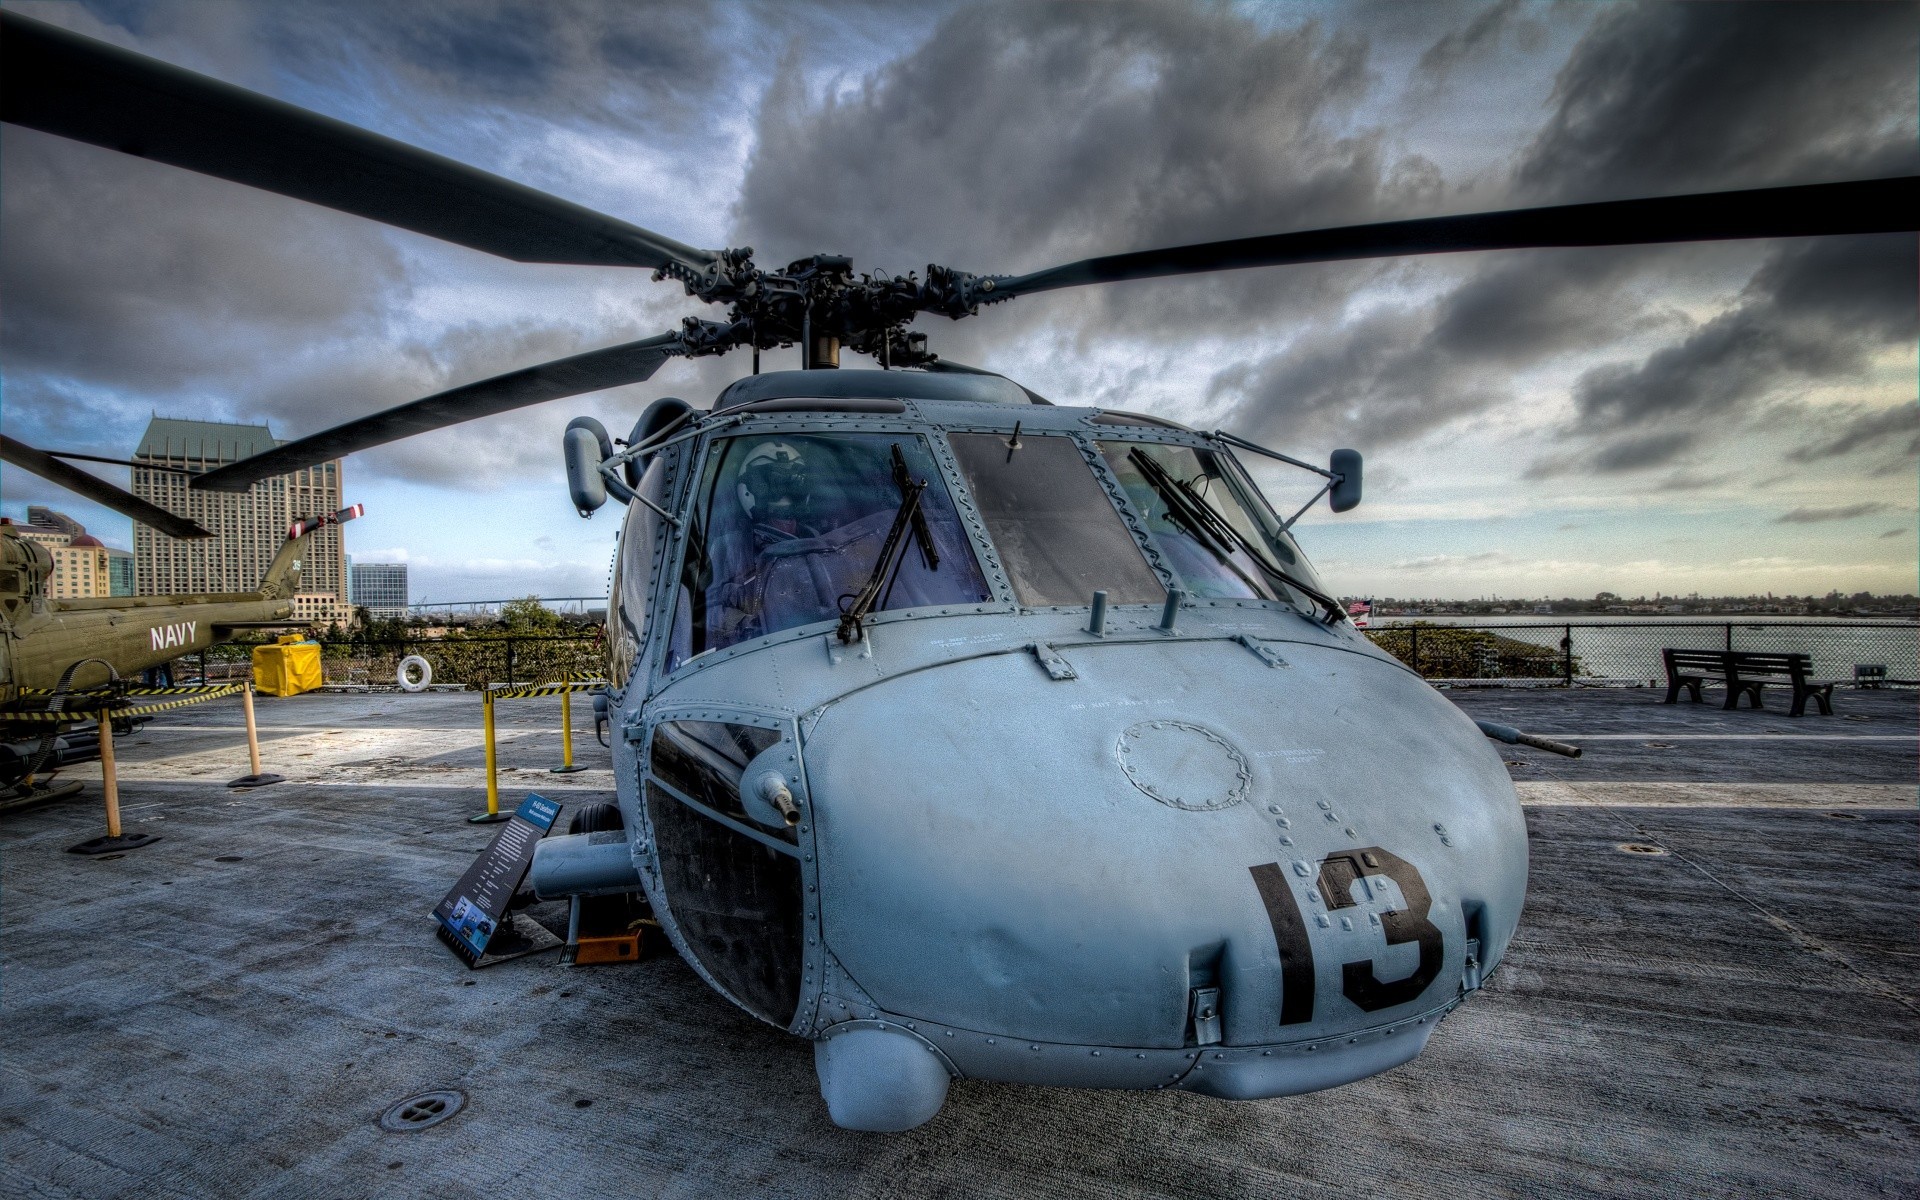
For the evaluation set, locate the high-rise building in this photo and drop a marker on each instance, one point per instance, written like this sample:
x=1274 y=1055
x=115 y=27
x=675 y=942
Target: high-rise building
x=119 y=572
x=40 y=514
x=81 y=564
x=248 y=527
x=380 y=588
x=79 y=570
x=49 y=536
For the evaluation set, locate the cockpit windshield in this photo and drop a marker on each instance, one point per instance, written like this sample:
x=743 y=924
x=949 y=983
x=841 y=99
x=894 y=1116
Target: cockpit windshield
x=1205 y=517
x=787 y=529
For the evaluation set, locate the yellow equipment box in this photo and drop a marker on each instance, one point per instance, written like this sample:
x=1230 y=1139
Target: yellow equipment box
x=288 y=667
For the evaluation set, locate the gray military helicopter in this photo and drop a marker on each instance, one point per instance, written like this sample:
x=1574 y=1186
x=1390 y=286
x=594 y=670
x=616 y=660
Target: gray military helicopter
x=963 y=733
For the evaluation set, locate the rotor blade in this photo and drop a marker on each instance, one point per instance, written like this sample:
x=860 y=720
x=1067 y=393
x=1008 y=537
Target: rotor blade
x=1862 y=206
x=631 y=362
x=96 y=489
x=119 y=462
x=65 y=84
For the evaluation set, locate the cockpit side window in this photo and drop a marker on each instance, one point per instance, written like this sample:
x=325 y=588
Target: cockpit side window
x=787 y=528
x=1220 y=538
x=1057 y=533
x=631 y=593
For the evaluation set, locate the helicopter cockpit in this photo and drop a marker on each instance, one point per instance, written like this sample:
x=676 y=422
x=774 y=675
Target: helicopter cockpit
x=1209 y=518
x=787 y=528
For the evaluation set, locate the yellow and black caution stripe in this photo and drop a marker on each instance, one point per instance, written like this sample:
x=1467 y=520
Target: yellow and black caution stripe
x=94 y=694
x=577 y=683
x=85 y=707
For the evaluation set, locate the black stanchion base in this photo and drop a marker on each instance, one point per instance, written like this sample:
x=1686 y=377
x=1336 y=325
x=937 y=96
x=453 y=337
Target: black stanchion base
x=489 y=818
x=113 y=845
x=254 y=781
x=566 y=770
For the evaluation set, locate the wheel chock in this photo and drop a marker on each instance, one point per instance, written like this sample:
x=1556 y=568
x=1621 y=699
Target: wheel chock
x=612 y=948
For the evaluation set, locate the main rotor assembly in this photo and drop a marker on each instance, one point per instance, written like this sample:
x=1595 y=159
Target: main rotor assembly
x=75 y=87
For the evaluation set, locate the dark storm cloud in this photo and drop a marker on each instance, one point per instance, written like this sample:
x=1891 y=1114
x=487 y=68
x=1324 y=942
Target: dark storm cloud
x=1634 y=452
x=1738 y=88
x=131 y=274
x=1656 y=98
x=1022 y=135
x=1019 y=136
x=1401 y=371
x=1820 y=309
x=1895 y=428
x=1844 y=512
x=1011 y=137
x=1478 y=40
x=133 y=287
x=1668 y=98
x=548 y=58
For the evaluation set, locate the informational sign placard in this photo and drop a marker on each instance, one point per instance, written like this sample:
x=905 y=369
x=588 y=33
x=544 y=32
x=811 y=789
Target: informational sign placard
x=471 y=913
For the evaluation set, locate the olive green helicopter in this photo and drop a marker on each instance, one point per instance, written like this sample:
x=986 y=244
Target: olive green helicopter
x=55 y=653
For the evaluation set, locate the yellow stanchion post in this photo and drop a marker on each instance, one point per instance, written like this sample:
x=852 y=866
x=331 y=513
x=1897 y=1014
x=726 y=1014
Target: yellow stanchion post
x=566 y=766
x=493 y=812
x=256 y=779
x=109 y=775
x=117 y=839
x=253 y=730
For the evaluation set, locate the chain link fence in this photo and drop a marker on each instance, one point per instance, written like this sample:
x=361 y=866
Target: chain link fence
x=1536 y=654
x=1628 y=652
x=460 y=661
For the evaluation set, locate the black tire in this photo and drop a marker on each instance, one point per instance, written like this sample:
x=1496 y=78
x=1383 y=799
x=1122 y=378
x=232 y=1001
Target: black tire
x=595 y=818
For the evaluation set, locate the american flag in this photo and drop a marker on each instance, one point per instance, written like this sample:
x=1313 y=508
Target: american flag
x=1359 y=612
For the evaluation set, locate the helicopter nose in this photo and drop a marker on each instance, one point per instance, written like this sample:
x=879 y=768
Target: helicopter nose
x=1181 y=845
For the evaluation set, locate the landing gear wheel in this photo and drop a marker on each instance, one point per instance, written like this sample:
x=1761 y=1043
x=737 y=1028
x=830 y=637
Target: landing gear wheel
x=595 y=818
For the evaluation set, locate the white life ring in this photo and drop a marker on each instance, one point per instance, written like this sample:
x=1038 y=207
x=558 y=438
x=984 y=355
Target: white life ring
x=409 y=664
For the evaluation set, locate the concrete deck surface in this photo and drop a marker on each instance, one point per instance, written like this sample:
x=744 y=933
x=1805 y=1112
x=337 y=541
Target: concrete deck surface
x=228 y=1011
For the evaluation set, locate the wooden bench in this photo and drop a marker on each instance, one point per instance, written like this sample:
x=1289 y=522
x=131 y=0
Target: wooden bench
x=1745 y=672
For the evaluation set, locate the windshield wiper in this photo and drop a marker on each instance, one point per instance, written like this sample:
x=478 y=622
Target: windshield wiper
x=1199 y=516
x=892 y=554
x=921 y=533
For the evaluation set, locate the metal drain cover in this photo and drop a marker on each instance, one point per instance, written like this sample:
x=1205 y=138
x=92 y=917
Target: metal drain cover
x=423 y=1111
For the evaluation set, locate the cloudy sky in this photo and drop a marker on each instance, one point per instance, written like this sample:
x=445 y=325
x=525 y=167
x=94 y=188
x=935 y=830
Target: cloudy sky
x=1728 y=417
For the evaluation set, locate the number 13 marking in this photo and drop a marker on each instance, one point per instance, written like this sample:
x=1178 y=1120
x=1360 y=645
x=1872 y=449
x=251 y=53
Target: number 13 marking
x=1359 y=981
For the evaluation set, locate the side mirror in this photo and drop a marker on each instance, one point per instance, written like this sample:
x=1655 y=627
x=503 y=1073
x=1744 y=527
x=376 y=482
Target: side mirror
x=1345 y=492
x=587 y=446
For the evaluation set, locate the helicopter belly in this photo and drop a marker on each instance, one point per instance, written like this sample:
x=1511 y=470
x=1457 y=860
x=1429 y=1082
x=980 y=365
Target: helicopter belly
x=1181 y=853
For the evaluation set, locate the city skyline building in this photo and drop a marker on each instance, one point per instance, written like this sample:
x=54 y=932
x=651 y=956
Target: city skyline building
x=119 y=572
x=81 y=562
x=48 y=518
x=380 y=588
x=79 y=570
x=249 y=527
